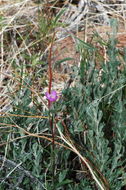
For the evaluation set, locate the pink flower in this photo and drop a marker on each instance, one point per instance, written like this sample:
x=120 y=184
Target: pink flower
x=52 y=97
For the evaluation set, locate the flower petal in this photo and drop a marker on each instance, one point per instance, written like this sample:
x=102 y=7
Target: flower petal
x=52 y=97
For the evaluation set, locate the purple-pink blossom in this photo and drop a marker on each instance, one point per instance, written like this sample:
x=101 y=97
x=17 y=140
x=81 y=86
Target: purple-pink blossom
x=52 y=97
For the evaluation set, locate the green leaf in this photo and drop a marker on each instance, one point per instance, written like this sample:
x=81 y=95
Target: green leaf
x=62 y=175
x=63 y=60
x=59 y=15
x=67 y=181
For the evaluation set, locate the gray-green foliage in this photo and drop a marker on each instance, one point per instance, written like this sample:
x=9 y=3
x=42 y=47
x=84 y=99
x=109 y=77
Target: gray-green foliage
x=97 y=106
x=94 y=112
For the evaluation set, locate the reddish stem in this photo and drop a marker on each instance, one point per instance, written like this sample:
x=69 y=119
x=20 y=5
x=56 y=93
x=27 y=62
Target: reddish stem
x=49 y=105
x=50 y=64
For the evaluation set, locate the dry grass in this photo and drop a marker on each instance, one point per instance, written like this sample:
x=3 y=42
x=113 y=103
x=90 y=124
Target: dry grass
x=25 y=41
x=19 y=24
